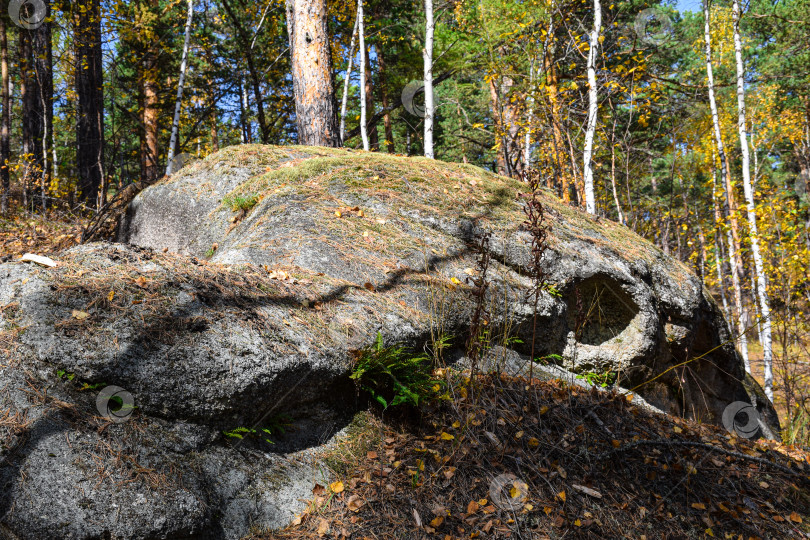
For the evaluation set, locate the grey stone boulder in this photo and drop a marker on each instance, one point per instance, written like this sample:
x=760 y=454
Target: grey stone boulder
x=240 y=294
x=404 y=228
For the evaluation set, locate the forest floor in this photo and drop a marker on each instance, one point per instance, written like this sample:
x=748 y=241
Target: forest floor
x=511 y=459
x=21 y=234
x=791 y=371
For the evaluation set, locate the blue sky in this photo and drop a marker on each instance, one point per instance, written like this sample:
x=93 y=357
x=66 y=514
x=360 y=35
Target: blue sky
x=688 y=5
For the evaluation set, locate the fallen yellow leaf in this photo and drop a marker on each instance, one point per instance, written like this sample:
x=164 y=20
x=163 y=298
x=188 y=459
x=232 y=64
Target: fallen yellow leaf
x=336 y=487
x=795 y=518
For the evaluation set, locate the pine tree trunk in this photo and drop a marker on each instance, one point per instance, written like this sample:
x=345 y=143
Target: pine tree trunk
x=90 y=93
x=150 y=116
x=32 y=118
x=389 y=131
x=179 y=102
x=762 y=287
x=427 y=57
x=315 y=106
x=5 y=127
x=501 y=157
x=734 y=249
x=363 y=84
x=373 y=137
x=345 y=99
x=593 y=104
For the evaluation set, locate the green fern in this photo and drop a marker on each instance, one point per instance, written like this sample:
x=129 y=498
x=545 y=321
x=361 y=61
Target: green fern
x=394 y=377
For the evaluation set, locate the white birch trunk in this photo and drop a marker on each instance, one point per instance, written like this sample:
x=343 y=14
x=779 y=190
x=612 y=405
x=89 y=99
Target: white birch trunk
x=427 y=56
x=718 y=137
x=593 y=103
x=245 y=105
x=361 y=32
x=346 y=81
x=761 y=288
x=180 y=83
x=527 y=142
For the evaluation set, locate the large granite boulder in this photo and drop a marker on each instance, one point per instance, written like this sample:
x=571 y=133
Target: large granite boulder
x=242 y=288
x=398 y=230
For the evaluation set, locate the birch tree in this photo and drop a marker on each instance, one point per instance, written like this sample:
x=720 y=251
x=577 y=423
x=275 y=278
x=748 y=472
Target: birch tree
x=179 y=102
x=593 y=97
x=733 y=247
x=527 y=137
x=363 y=88
x=346 y=81
x=761 y=289
x=427 y=55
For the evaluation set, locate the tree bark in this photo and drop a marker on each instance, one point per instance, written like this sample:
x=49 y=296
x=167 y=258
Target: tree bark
x=5 y=127
x=427 y=57
x=593 y=104
x=32 y=117
x=762 y=287
x=179 y=102
x=315 y=105
x=90 y=91
x=43 y=71
x=150 y=115
x=363 y=83
x=389 y=132
x=527 y=137
x=373 y=138
x=345 y=99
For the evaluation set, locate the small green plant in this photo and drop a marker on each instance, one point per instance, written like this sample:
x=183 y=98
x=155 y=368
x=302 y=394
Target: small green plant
x=62 y=374
x=277 y=425
x=240 y=202
x=91 y=387
x=602 y=380
x=392 y=376
x=553 y=291
x=549 y=358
